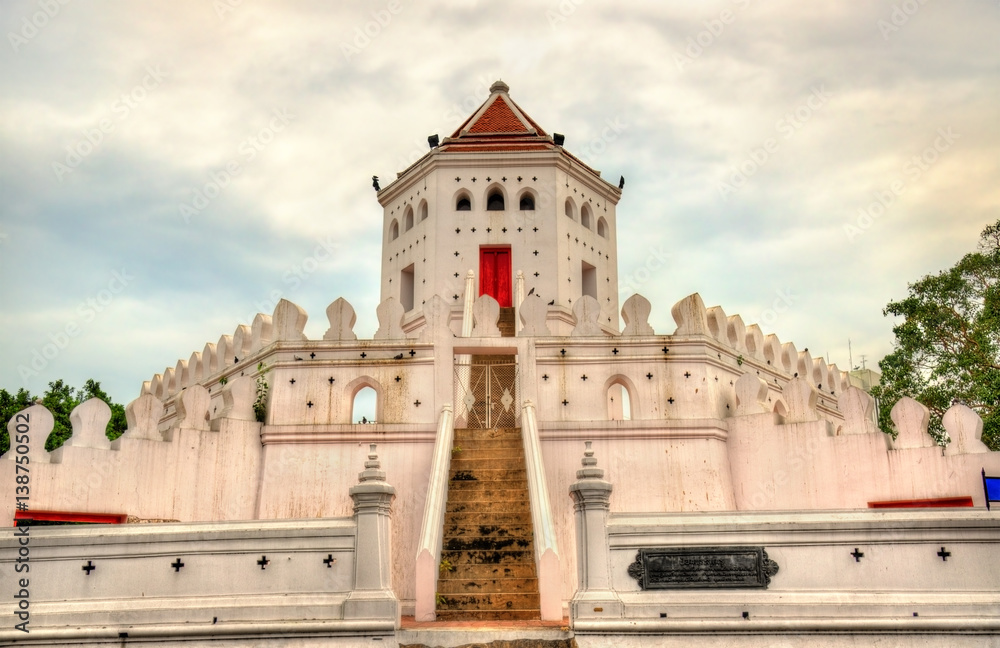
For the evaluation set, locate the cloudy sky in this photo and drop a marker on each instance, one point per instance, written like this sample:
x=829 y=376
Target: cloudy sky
x=797 y=163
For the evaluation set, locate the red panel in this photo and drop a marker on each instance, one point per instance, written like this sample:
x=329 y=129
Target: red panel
x=941 y=502
x=494 y=274
x=65 y=516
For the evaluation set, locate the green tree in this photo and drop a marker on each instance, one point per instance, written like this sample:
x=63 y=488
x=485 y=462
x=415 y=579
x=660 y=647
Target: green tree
x=60 y=399
x=11 y=404
x=947 y=347
x=118 y=424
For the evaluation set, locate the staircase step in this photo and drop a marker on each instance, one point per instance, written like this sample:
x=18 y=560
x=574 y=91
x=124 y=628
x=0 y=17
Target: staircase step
x=477 y=434
x=486 y=463
x=490 y=601
x=478 y=530
x=488 y=474
x=479 y=490
x=480 y=543
x=493 y=495
x=474 y=507
x=504 y=456
x=497 y=518
x=497 y=615
x=496 y=585
x=503 y=443
x=488 y=557
x=486 y=571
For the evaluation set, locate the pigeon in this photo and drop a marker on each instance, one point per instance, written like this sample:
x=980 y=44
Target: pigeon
x=297 y=358
x=621 y=182
x=531 y=292
x=375 y=183
x=235 y=359
x=398 y=357
x=552 y=303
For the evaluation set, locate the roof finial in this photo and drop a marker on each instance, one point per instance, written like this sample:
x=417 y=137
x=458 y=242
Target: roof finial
x=499 y=86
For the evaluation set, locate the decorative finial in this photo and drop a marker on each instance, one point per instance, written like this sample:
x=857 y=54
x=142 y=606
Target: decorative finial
x=590 y=469
x=499 y=86
x=373 y=467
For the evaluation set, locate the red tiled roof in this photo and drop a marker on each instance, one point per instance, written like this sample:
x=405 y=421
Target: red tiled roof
x=473 y=148
x=498 y=118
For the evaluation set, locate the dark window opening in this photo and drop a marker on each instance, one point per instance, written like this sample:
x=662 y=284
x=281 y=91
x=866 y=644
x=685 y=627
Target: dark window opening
x=495 y=202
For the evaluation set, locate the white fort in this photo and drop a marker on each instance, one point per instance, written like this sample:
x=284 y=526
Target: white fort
x=528 y=461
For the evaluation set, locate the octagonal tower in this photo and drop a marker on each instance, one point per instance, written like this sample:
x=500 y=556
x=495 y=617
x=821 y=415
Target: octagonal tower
x=500 y=195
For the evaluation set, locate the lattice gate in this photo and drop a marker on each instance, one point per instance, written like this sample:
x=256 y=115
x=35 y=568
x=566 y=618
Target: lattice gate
x=486 y=395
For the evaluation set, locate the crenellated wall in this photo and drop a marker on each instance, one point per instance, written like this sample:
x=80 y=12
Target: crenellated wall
x=719 y=418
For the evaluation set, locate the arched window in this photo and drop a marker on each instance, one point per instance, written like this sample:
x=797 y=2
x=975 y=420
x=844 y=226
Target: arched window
x=463 y=203
x=408 y=220
x=393 y=230
x=585 y=217
x=602 y=227
x=423 y=210
x=570 y=211
x=364 y=406
x=619 y=399
x=527 y=202
x=495 y=201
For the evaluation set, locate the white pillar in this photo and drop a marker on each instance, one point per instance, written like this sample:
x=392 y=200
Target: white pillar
x=470 y=299
x=595 y=598
x=518 y=298
x=372 y=596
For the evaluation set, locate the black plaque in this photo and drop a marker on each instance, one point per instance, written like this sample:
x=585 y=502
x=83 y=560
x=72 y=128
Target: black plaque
x=703 y=568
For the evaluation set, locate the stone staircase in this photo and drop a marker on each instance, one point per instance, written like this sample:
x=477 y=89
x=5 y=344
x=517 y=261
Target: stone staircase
x=506 y=322
x=488 y=559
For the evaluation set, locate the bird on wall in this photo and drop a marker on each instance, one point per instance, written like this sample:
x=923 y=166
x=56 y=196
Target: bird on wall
x=552 y=303
x=398 y=357
x=375 y=183
x=530 y=293
x=621 y=182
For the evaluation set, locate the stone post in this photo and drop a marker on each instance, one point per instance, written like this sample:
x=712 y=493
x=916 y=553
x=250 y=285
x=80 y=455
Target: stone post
x=595 y=598
x=372 y=597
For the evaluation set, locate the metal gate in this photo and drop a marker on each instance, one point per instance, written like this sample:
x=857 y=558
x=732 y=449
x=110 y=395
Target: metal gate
x=486 y=396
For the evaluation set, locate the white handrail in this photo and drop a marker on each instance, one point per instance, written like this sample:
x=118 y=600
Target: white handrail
x=428 y=558
x=546 y=549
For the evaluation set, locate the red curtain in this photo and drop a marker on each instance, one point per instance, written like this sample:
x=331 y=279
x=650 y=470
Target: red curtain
x=494 y=274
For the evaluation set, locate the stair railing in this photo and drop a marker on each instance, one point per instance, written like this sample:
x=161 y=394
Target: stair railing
x=546 y=550
x=428 y=560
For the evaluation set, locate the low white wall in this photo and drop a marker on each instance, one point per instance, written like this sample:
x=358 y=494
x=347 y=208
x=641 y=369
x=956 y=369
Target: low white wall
x=220 y=591
x=901 y=583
